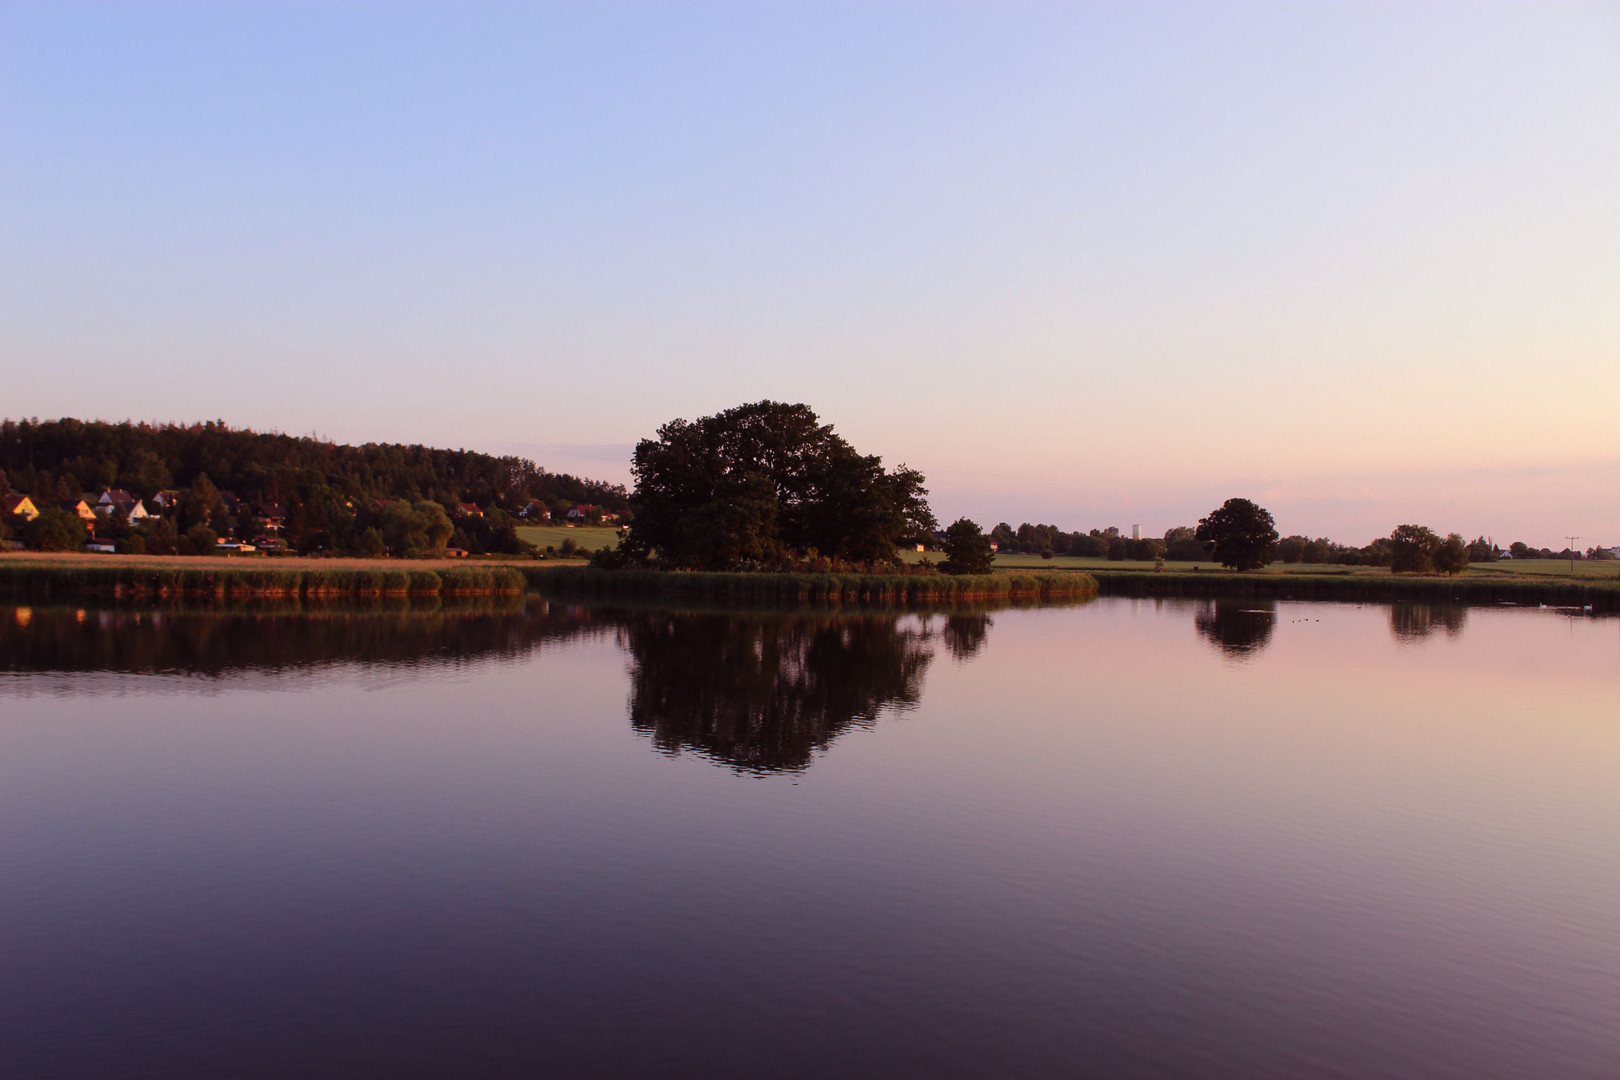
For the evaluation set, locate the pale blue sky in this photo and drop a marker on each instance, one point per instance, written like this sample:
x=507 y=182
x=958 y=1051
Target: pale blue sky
x=1081 y=264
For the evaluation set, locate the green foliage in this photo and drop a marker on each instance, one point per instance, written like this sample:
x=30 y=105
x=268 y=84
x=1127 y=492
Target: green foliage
x=1243 y=535
x=1413 y=549
x=162 y=538
x=1451 y=557
x=746 y=486
x=416 y=531
x=202 y=504
x=55 y=529
x=967 y=549
x=199 y=539
x=369 y=544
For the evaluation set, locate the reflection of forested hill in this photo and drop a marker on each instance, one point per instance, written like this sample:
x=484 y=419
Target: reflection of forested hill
x=764 y=692
x=218 y=643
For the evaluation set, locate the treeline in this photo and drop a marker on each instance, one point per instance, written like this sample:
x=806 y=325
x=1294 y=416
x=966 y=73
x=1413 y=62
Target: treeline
x=1415 y=547
x=334 y=497
x=1178 y=543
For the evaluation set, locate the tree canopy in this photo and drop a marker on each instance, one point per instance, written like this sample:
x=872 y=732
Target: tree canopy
x=967 y=549
x=1412 y=549
x=1244 y=535
x=754 y=484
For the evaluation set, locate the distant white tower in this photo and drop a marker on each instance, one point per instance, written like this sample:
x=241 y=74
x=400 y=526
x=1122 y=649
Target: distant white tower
x=1136 y=532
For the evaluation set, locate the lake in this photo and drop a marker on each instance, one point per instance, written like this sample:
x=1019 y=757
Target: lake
x=1124 y=838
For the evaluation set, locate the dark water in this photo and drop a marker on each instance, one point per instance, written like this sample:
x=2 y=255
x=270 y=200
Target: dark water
x=1126 y=839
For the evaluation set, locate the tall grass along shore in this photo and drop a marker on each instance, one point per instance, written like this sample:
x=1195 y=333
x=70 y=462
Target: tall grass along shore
x=56 y=581
x=867 y=588
x=46 y=580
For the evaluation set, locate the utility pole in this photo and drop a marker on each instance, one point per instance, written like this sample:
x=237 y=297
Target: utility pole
x=1572 y=540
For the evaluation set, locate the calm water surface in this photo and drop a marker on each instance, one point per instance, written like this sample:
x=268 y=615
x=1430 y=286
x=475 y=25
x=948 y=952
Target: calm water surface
x=1126 y=839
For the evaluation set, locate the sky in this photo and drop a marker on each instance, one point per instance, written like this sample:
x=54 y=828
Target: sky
x=1086 y=265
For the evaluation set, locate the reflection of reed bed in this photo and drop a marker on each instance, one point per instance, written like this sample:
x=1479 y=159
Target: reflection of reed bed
x=222 y=639
x=23 y=580
x=1392 y=588
x=801 y=588
x=323 y=605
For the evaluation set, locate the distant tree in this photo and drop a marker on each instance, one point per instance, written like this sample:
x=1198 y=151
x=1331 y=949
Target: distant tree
x=418 y=530
x=369 y=544
x=1117 y=549
x=1291 y=549
x=1451 y=557
x=1319 y=550
x=198 y=540
x=55 y=529
x=967 y=549
x=201 y=504
x=162 y=538
x=1244 y=535
x=1413 y=549
x=1481 y=550
x=1182 y=544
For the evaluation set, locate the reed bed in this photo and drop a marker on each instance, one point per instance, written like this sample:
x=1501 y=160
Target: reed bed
x=1369 y=588
x=793 y=588
x=56 y=581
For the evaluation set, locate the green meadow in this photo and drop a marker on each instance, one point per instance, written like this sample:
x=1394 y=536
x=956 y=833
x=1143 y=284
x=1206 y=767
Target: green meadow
x=1584 y=568
x=589 y=537
x=1537 y=568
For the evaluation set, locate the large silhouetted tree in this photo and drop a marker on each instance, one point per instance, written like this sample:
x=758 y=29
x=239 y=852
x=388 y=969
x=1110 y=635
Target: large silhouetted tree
x=1412 y=549
x=967 y=549
x=747 y=486
x=1243 y=534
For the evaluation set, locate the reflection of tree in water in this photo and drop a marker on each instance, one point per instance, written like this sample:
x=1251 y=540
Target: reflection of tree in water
x=221 y=642
x=1239 y=628
x=965 y=634
x=762 y=693
x=1411 y=623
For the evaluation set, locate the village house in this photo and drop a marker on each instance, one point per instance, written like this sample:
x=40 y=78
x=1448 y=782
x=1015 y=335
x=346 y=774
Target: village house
x=585 y=511
x=116 y=500
x=468 y=509
x=535 y=511
x=274 y=516
x=20 y=506
x=80 y=509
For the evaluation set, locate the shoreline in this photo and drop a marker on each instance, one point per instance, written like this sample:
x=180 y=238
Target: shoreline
x=46 y=576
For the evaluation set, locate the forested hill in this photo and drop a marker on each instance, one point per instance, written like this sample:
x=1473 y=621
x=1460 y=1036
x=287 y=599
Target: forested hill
x=62 y=459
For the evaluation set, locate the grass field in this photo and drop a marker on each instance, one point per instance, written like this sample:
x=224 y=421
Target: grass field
x=1594 y=568
x=1537 y=568
x=589 y=537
